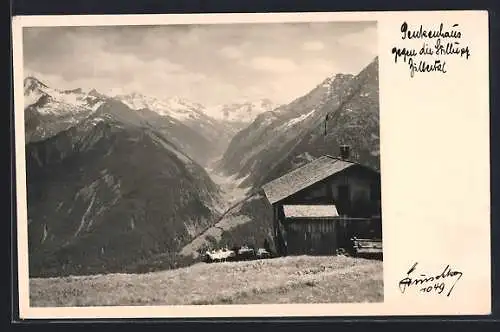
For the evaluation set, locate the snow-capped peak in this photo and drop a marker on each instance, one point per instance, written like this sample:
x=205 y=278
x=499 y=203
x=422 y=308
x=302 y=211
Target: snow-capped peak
x=32 y=84
x=176 y=107
x=244 y=111
x=57 y=102
x=180 y=103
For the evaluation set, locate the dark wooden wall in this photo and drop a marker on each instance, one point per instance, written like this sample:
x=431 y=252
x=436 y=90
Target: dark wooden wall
x=309 y=236
x=314 y=237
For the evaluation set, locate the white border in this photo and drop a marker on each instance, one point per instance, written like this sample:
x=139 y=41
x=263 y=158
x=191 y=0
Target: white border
x=393 y=305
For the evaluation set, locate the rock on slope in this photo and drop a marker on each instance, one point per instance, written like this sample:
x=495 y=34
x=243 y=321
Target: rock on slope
x=111 y=191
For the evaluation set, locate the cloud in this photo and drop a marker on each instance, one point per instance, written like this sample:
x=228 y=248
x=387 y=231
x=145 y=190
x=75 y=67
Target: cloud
x=365 y=40
x=121 y=72
x=313 y=45
x=273 y=64
x=319 y=65
x=231 y=52
x=210 y=64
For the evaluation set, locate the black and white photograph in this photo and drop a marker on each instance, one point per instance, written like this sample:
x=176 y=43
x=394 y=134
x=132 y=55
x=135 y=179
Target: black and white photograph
x=203 y=164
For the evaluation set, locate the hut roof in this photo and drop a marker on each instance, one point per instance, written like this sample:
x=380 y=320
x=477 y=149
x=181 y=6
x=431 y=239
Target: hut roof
x=310 y=211
x=303 y=177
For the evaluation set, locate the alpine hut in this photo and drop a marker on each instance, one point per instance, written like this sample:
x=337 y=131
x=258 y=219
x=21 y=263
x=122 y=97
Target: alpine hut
x=321 y=205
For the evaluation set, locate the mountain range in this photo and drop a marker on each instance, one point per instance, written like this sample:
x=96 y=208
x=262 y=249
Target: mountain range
x=188 y=124
x=241 y=114
x=122 y=183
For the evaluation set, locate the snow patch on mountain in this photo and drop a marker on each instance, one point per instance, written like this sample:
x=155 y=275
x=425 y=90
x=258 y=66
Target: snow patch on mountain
x=50 y=101
x=245 y=112
x=175 y=107
x=31 y=96
x=296 y=120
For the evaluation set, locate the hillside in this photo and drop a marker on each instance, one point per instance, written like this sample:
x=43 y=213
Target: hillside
x=301 y=279
x=353 y=120
x=109 y=192
x=247 y=222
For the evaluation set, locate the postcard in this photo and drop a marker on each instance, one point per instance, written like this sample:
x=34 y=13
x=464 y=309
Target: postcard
x=252 y=165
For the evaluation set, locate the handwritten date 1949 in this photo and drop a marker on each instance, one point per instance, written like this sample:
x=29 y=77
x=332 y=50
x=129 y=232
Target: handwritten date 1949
x=433 y=283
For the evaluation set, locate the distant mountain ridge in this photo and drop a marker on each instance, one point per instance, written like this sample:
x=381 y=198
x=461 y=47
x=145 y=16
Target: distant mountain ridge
x=203 y=133
x=193 y=115
x=241 y=114
x=218 y=124
x=174 y=107
x=49 y=111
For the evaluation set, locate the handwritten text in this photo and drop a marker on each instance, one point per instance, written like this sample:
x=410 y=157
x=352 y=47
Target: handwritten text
x=437 y=44
x=425 y=283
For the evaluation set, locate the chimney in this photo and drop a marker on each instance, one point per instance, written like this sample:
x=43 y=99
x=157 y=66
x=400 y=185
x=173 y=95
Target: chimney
x=345 y=151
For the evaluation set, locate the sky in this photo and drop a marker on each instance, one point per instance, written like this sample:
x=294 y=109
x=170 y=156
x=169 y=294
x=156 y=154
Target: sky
x=209 y=64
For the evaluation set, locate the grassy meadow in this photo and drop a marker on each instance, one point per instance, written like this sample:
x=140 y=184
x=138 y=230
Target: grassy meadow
x=300 y=279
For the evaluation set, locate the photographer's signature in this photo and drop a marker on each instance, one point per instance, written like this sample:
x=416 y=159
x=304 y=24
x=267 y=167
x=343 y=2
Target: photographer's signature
x=437 y=283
